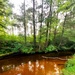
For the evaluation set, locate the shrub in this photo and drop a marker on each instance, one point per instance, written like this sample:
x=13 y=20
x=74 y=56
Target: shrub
x=69 y=67
x=50 y=48
x=26 y=49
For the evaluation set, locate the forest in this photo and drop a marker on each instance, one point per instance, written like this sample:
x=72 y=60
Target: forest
x=43 y=27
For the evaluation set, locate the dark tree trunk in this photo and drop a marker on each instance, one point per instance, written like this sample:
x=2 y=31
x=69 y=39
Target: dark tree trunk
x=41 y=23
x=49 y=24
x=55 y=29
x=34 y=23
x=24 y=23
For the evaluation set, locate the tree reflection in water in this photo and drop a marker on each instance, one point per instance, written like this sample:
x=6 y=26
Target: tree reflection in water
x=33 y=67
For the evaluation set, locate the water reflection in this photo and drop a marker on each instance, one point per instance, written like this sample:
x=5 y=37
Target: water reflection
x=32 y=66
x=56 y=69
x=7 y=67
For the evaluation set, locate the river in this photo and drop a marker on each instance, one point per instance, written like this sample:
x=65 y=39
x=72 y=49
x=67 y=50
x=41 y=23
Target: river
x=32 y=65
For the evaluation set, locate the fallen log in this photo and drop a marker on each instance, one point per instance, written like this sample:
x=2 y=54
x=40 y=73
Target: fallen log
x=55 y=58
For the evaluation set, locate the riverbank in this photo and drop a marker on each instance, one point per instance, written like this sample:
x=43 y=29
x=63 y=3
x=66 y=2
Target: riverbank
x=49 y=54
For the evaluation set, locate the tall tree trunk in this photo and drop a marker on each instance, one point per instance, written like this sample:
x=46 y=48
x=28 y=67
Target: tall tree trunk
x=47 y=32
x=34 y=23
x=24 y=22
x=41 y=23
x=49 y=24
x=55 y=32
x=55 y=29
x=50 y=18
x=41 y=27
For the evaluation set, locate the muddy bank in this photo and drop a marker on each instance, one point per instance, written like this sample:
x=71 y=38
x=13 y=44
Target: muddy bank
x=49 y=54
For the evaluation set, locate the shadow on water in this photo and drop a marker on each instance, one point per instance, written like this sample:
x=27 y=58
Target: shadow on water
x=31 y=65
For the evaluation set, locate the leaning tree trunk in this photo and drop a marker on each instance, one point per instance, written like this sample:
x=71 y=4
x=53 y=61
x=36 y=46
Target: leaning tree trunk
x=63 y=30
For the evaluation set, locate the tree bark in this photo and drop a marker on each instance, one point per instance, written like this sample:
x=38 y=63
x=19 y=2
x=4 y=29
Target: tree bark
x=34 y=23
x=24 y=23
x=41 y=23
x=49 y=24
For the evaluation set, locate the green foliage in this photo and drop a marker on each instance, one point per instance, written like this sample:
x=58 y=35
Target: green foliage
x=50 y=48
x=30 y=39
x=11 y=38
x=69 y=67
x=16 y=46
x=64 y=6
x=65 y=41
x=5 y=12
x=9 y=46
x=10 y=43
x=26 y=49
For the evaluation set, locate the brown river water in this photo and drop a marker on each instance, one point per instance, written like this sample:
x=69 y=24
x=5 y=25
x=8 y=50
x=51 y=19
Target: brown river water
x=32 y=65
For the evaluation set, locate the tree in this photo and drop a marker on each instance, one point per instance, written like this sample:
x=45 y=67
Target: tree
x=24 y=22
x=22 y=18
x=34 y=23
x=5 y=12
x=41 y=22
x=49 y=22
x=65 y=8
